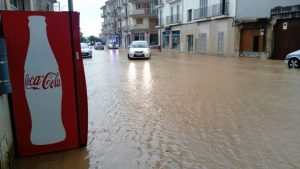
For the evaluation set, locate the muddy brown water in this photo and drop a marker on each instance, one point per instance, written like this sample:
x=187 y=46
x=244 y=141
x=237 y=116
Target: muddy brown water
x=186 y=111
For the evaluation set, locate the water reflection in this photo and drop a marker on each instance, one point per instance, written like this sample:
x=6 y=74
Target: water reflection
x=131 y=72
x=114 y=56
x=147 y=77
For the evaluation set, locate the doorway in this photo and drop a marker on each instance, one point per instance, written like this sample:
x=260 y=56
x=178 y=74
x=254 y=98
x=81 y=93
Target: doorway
x=256 y=43
x=190 y=40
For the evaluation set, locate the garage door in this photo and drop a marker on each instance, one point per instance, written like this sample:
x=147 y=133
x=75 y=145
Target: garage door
x=286 y=37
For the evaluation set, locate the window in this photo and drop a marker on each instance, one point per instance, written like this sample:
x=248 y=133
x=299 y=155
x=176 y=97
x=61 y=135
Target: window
x=203 y=8
x=161 y=17
x=14 y=3
x=202 y=43
x=190 y=40
x=189 y=17
x=166 y=39
x=175 y=39
x=203 y=3
x=1 y=5
x=138 y=6
x=139 y=21
x=139 y=36
x=220 y=43
x=152 y=22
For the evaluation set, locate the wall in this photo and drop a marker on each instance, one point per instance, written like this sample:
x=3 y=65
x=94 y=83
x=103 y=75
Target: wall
x=6 y=138
x=247 y=9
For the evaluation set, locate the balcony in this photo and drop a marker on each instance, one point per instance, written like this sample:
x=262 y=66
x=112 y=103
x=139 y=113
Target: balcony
x=143 y=11
x=220 y=9
x=144 y=1
x=174 y=19
x=200 y=13
x=140 y=27
x=159 y=4
x=286 y=12
x=211 y=11
x=172 y=1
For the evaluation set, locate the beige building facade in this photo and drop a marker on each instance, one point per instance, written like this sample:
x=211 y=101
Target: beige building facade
x=129 y=20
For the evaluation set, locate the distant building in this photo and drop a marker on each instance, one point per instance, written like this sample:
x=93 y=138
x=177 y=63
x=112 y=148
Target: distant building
x=128 y=20
x=254 y=27
x=218 y=27
x=285 y=25
x=203 y=26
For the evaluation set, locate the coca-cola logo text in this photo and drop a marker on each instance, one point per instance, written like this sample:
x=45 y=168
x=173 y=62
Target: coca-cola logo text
x=43 y=82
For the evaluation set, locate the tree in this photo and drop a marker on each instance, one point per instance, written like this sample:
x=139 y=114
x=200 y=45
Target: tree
x=93 y=39
x=82 y=38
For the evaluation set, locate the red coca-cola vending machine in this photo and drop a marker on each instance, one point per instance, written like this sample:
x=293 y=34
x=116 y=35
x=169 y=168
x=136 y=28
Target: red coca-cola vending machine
x=49 y=99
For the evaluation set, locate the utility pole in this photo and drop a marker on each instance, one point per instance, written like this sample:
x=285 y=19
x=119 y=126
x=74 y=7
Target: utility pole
x=70 y=4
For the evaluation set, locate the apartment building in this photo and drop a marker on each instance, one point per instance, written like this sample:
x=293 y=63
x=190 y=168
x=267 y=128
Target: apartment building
x=129 y=20
x=255 y=36
x=202 y=26
x=6 y=136
x=217 y=27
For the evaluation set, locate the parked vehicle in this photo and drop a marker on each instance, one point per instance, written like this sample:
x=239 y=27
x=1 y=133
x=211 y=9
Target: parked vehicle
x=99 y=46
x=85 y=50
x=113 y=46
x=139 y=49
x=293 y=60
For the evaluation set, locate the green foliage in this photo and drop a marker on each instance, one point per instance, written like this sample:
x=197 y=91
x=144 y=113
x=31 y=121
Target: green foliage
x=93 y=38
x=82 y=38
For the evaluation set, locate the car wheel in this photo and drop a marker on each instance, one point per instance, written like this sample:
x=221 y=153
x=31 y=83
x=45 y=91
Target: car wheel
x=128 y=57
x=293 y=63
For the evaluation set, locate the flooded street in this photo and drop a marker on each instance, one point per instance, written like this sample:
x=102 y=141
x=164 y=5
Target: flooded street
x=185 y=111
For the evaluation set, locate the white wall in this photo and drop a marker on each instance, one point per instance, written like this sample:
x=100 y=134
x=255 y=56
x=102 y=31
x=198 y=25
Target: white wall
x=247 y=9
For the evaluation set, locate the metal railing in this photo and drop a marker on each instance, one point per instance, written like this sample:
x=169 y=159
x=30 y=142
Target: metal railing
x=200 y=13
x=173 y=19
x=143 y=11
x=220 y=9
x=170 y=1
x=139 y=27
x=211 y=11
x=159 y=3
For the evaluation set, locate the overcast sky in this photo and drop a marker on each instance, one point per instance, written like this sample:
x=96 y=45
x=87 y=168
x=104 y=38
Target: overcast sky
x=90 y=15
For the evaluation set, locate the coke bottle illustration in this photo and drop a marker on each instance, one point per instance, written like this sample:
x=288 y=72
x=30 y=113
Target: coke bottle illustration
x=43 y=86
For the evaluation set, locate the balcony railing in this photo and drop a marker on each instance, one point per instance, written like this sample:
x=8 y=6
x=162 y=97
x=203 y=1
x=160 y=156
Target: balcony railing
x=220 y=9
x=143 y=11
x=139 y=27
x=211 y=11
x=201 y=13
x=173 y=19
x=159 y=3
x=171 y=1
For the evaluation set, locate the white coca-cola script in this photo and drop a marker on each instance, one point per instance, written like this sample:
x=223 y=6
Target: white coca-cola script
x=43 y=82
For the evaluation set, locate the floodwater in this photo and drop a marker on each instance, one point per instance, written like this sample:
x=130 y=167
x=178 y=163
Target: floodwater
x=186 y=111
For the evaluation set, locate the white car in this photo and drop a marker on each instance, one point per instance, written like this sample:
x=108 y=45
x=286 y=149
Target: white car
x=293 y=59
x=86 y=51
x=139 y=49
